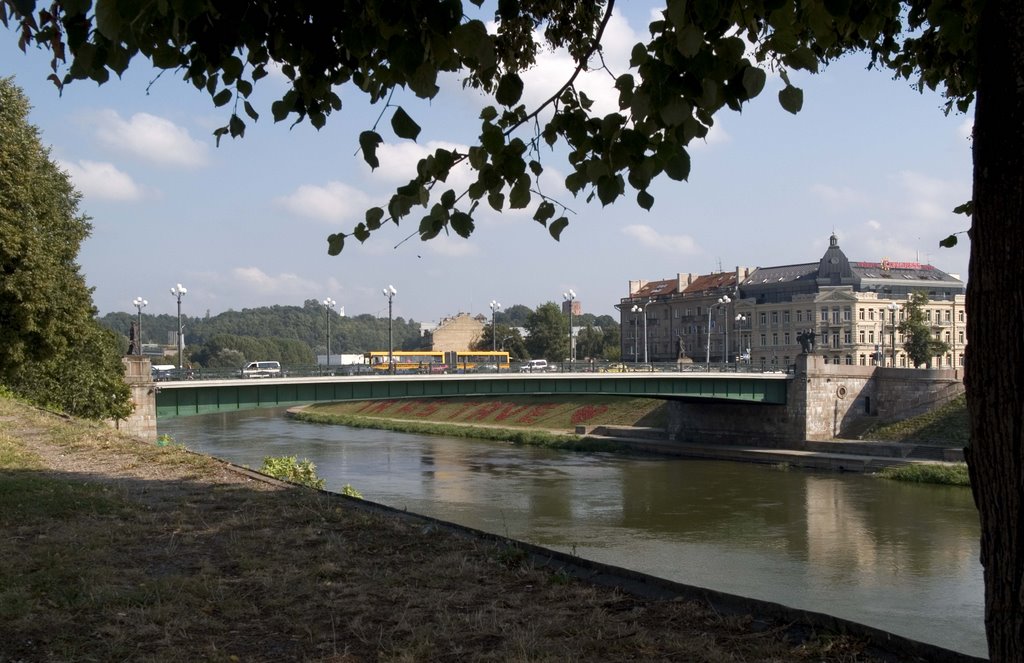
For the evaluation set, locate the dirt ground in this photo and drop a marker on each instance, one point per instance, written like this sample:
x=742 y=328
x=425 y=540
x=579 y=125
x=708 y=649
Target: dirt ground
x=116 y=549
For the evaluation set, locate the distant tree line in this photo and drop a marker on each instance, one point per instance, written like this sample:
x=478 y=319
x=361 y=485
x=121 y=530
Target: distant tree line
x=295 y=335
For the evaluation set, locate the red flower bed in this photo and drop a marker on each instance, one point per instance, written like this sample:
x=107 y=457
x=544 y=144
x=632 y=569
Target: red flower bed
x=536 y=412
x=509 y=411
x=484 y=411
x=428 y=408
x=586 y=413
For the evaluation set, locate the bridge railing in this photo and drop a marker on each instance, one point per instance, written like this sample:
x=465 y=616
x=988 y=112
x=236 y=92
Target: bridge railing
x=199 y=373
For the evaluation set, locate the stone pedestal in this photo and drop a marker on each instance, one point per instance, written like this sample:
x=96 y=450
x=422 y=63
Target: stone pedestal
x=141 y=423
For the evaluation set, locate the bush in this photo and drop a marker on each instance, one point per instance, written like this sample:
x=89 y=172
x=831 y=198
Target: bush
x=292 y=470
x=949 y=474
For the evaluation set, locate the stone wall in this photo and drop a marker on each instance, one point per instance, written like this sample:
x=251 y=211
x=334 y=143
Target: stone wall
x=141 y=423
x=824 y=402
x=457 y=333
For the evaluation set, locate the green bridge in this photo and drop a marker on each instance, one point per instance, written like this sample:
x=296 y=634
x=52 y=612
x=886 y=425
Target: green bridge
x=190 y=397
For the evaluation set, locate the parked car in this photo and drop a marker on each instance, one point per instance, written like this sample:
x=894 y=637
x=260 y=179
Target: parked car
x=534 y=366
x=261 y=369
x=163 y=372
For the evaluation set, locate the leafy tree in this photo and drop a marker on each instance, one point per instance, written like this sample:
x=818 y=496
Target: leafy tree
x=515 y=315
x=920 y=344
x=52 y=350
x=694 y=63
x=590 y=343
x=548 y=333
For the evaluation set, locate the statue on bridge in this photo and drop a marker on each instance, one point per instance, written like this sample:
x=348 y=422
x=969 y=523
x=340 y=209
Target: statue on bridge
x=134 y=343
x=806 y=340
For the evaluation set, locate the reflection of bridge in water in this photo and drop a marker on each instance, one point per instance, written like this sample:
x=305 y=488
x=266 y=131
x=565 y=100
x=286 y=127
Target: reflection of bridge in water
x=191 y=397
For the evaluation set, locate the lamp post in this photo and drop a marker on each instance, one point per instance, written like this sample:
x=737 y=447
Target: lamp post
x=495 y=307
x=740 y=319
x=139 y=303
x=329 y=304
x=636 y=308
x=570 y=297
x=179 y=291
x=893 y=307
x=724 y=299
x=390 y=293
x=636 y=321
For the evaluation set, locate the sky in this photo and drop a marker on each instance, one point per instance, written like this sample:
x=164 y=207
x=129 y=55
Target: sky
x=245 y=224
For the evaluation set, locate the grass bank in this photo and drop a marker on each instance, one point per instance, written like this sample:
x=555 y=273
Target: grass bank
x=116 y=549
x=948 y=474
x=946 y=426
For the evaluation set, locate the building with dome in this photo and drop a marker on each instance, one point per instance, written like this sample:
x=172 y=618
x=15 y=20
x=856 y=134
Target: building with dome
x=852 y=310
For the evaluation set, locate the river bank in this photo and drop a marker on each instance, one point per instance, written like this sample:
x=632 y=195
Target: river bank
x=124 y=550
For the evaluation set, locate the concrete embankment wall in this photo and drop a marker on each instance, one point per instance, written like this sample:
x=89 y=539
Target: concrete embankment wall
x=824 y=402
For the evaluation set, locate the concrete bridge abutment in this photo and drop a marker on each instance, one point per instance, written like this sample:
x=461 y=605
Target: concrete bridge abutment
x=141 y=423
x=824 y=402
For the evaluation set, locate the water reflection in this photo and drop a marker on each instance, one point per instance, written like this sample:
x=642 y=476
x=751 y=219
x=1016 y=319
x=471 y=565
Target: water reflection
x=902 y=557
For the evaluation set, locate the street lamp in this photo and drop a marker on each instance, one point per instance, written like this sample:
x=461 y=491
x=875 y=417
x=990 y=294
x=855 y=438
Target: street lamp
x=893 y=307
x=139 y=303
x=179 y=291
x=495 y=306
x=390 y=293
x=329 y=304
x=723 y=300
x=570 y=297
x=636 y=320
x=637 y=308
x=740 y=319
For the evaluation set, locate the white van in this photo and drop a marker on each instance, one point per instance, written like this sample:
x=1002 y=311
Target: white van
x=534 y=366
x=261 y=369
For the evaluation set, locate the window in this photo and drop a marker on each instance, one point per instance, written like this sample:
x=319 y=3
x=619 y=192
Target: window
x=860 y=336
x=799 y=316
x=927 y=315
x=835 y=360
x=949 y=315
x=775 y=339
x=847 y=337
x=688 y=309
x=764 y=341
x=949 y=337
x=824 y=315
x=764 y=319
x=847 y=314
x=960 y=334
x=835 y=315
x=871 y=336
x=871 y=314
x=863 y=360
x=785 y=338
x=835 y=343
x=960 y=316
x=860 y=314
x=849 y=360
x=775 y=317
x=785 y=317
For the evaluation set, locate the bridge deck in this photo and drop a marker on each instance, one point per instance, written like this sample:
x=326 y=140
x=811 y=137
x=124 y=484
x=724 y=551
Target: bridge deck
x=191 y=397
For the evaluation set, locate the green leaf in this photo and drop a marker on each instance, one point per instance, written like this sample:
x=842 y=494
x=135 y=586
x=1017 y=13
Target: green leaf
x=374 y=217
x=462 y=223
x=403 y=125
x=250 y=111
x=949 y=242
x=369 y=141
x=792 y=99
x=966 y=208
x=496 y=201
x=236 y=125
x=536 y=168
x=753 y=81
x=488 y=114
x=690 y=40
x=222 y=97
x=677 y=166
x=557 y=226
x=545 y=211
x=519 y=196
x=335 y=243
x=361 y=232
x=510 y=90
x=108 y=20
x=645 y=200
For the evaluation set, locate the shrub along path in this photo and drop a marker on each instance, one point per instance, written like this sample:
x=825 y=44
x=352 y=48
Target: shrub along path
x=115 y=549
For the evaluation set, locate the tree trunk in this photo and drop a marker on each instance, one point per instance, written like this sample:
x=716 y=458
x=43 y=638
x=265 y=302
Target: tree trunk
x=994 y=374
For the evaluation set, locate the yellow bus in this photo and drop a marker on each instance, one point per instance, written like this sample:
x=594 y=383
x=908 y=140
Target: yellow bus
x=407 y=361
x=482 y=361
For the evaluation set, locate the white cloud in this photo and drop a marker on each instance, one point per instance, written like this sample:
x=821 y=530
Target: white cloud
x=650 y=238
x=929 y=199
x=282 y=285
x=398 y=162
x=335 y=201
x=102 y=180
x=451 y=246
x=152 y=138
x=873 y=225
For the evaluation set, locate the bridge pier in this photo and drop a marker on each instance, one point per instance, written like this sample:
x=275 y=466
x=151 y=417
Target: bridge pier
x=823 y=402
x=141 y=423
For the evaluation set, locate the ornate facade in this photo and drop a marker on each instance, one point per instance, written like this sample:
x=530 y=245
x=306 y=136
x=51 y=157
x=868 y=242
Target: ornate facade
x=852 y=310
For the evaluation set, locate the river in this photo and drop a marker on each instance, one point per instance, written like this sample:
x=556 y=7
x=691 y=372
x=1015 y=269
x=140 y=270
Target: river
x=901 y=557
